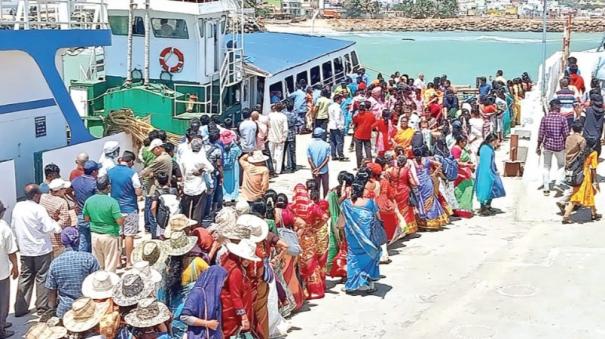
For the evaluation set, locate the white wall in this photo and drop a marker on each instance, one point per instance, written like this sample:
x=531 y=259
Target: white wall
x=21 y=79
x=8 y=194
x=65 y=157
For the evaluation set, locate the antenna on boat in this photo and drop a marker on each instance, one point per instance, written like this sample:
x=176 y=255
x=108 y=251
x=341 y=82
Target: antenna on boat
x=129 y=48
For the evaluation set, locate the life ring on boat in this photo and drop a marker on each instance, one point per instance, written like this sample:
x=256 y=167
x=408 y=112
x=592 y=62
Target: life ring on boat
x=165 y=55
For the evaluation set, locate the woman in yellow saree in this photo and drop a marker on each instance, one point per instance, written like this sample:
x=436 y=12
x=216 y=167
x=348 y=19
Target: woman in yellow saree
x=584 y=195
x=404 y=134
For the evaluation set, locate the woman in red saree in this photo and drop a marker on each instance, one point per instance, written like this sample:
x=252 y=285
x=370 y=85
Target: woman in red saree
x=402 y=180
x=386 y=131
x=236 y=296
x=284 y=217
x=309 y=224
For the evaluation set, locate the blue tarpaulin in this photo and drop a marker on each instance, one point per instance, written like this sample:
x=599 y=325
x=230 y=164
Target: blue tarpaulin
x=277 y=52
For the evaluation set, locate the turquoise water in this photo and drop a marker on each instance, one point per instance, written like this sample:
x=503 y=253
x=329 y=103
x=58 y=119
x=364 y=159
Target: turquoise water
x=461 y=55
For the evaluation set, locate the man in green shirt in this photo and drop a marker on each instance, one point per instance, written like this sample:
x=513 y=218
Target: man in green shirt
x=103 y=213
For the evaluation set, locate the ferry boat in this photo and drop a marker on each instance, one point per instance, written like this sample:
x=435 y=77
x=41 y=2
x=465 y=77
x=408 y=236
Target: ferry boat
x=171 y=60
x=176 y=60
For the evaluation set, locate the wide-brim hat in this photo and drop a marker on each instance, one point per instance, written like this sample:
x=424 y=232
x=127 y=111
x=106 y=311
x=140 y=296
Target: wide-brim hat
x=146 y=270
x=148 y=313
x=245 y=249
x=259 y=229
x=179 y=243
x=43 y=331
x=99 y=285
x=178 y=222
x=84 y=314
x=132 y=287
x=257 y=157
x=152 y=251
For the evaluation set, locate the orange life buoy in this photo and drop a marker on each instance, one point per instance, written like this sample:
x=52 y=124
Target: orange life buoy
x=165 y=55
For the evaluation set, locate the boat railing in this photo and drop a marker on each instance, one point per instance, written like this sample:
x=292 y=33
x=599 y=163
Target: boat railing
x=54 y=14
x=195 y=101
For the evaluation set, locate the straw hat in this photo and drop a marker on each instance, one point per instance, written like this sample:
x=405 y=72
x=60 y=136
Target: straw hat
x=178 y=222
x=85 y=314
x=43 y=331
x=99 y=285
x=147 y=271
x=179 y=243
x=149 y=312
x=245 y=249
x=257 y=157
x=132 y=287
x=152 y=251
x=242 y=207
x=259 y=229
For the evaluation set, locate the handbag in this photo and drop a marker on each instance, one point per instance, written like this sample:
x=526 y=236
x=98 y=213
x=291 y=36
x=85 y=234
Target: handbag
x=291 y=238
x=339 y=263
x=378 y=236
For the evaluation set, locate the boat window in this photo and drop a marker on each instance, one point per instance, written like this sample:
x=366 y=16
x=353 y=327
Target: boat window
x=339 y=71
x=315 y=77
x=348 y=67
x=290 y=84
x=354 y=59
x=276 y=92
x=169 y=28
x=326 y=72
x=302 y=79
x=119 y=25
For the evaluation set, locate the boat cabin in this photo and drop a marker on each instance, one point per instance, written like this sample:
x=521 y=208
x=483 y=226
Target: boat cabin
x=276 y=62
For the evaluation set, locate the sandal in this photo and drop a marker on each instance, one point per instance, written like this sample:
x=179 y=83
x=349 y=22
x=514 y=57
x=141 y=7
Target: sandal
x=566 y=221
x=596 y=217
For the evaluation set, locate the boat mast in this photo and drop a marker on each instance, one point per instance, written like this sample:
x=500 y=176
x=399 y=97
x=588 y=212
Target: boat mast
x=543 y=85
x=147 y=41
x=129 y=48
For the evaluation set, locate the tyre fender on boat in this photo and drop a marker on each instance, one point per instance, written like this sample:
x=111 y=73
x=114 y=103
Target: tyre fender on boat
x=166 y=54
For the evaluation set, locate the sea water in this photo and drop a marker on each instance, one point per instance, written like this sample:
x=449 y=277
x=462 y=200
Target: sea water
x=463 y=56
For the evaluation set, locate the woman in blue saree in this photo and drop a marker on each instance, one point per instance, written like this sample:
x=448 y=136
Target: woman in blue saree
x=230 y=166
x=363 y=257
x=431 y=214
x=488 y=184
x=203 y=309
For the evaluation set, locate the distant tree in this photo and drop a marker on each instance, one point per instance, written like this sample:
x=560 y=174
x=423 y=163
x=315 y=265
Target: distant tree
x=361 y=8
x=422 y=9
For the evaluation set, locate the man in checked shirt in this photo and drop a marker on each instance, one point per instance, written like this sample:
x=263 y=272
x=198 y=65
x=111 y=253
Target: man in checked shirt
x=551 y=141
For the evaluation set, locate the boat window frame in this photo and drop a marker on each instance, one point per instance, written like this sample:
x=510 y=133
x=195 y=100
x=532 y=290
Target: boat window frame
x=156 y=31
x=354 y=59
x=326 y=81
x=318 y=67
x=290 y=86
x=348 y=64
x=271 y=90
x=338 y=76
x=298 y=78
x=125 y=17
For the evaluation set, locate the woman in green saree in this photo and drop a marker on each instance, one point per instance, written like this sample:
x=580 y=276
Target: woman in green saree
x=465 y=181
x=335 y=197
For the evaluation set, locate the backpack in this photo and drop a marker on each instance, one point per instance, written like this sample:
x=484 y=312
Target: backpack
x=449 y=167
x=574 y=172
x=168 y=205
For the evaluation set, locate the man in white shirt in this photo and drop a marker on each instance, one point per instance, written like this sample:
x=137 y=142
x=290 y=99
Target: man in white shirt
x=419 y=82
x=277 y=134
x=33 y=228
x=8 y=257
x=195 y=166
x=336 y=126
x=109 y=159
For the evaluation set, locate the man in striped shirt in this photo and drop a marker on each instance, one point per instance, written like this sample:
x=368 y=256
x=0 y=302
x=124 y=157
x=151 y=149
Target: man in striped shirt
x=569 y=100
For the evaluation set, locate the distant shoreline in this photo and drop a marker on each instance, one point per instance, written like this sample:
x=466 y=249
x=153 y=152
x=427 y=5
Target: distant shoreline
x=470 y=24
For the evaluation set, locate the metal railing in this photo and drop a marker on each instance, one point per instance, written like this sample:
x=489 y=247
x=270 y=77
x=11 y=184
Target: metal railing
x=197 y=99
x=54 y=14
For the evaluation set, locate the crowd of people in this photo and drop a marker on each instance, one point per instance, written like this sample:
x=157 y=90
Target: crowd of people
x=226 y=256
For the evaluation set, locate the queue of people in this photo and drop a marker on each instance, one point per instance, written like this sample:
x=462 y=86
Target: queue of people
x=225 y=255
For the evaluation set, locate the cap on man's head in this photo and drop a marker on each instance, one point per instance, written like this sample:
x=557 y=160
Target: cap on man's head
x=91 y=166
x=318 y=132
x=82 y=157
x=156 y=143
x=58 y=184
x=110 y=147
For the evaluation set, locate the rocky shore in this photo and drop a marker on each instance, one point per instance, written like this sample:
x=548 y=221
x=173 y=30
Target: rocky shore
x=486 y=24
